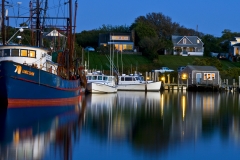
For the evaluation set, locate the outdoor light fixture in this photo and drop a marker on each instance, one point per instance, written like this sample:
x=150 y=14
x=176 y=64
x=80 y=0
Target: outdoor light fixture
x=184 y=76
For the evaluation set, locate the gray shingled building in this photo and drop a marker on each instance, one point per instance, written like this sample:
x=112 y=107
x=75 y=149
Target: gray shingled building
x=201 y=75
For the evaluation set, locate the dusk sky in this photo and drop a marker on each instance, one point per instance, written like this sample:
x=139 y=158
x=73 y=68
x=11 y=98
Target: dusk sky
x=209 y=16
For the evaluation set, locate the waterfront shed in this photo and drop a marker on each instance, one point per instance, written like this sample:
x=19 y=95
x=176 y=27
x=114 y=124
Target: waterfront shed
x=201 y=75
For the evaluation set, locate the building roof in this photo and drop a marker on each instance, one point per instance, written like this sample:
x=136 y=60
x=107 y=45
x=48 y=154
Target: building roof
x=193 y=39
x=202 y=68
x=237 y=44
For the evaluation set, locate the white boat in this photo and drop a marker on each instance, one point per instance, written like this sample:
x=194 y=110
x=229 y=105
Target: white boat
x=100 y=83
x=136 y=83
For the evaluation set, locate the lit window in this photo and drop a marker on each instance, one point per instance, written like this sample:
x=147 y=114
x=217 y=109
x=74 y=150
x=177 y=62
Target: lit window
x=24 y=53
x=15 y=53
x=124 y=46
x=32 y=54
x=209 y=76
x=198 y=41
x=129 y=47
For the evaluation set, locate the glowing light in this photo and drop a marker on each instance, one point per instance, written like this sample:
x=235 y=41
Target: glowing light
x=163 y=78
x=183 y=106
x=162 y=105
x=184 y=76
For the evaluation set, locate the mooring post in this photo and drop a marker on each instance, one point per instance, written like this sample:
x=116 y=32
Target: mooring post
x=239 y=84
x=227 y=84
x=233 y=84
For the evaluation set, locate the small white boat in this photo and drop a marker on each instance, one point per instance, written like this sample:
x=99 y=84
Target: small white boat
x=136 y=83
x=100 y=83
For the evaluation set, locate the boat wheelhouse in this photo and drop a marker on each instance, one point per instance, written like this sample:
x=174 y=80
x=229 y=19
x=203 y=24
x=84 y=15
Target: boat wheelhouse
x=136 y=83
x=30 y=56
x=100 y=83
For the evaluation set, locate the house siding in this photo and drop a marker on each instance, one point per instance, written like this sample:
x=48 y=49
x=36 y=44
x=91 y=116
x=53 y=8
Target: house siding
x=188 y=45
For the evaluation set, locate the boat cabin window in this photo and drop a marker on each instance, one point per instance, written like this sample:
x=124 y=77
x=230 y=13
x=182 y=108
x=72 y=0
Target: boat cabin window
x=137 y=78
x=105 y=78
x=89 y=77
x=94 y=77
x=24 y=53
x=32 y=53
x=6 y=53
x=100 y=78
x=1 y=53
x=128 y=78
x=15 y=53
x=122 y=78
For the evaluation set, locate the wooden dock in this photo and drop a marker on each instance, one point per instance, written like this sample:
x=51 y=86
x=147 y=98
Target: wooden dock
x=184 y=87
x=174 y=86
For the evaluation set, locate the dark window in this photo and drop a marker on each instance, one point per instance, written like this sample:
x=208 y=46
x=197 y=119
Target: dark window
x=128 y=78
x=6 y=53
x=105 y=78
x=89 y=78
x=15 y=53
x=100 y=77
x=1 y=53
x=122 y=78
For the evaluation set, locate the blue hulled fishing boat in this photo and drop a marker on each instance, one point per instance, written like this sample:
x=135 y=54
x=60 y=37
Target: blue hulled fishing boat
x=39 y=73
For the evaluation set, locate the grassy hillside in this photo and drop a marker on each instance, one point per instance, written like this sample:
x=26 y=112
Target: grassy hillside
x=132 y=62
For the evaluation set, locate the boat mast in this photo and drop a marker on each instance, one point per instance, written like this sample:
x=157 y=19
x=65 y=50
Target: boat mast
x=38 y=31
x=3 y=22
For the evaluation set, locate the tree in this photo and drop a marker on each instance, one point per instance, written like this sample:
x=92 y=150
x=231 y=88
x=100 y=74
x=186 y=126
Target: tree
x=151 y=45
x=211 y=44
x=144 y=29
x=208 y=62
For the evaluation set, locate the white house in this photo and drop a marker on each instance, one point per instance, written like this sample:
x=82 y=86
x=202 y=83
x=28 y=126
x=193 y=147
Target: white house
x=187 y=45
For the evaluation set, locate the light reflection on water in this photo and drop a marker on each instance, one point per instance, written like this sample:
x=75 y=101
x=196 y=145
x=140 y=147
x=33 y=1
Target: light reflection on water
x=135 y=125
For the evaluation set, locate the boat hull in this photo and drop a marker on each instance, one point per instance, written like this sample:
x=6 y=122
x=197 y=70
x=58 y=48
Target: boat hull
x=132 y=87
x=153 y=86
x=22 y=82
x=100 y=88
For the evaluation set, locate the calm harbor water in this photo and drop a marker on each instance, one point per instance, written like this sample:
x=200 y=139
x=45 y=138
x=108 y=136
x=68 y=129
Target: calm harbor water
x=126 y=125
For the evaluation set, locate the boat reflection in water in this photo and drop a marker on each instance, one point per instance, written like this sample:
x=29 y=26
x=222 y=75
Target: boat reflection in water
x=116 y=114
x=128 y=125
x=153 y=124
x=27 y=132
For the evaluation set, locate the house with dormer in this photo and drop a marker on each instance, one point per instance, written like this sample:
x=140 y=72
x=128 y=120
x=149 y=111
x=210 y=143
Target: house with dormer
x=234 y=48
x=187 y=45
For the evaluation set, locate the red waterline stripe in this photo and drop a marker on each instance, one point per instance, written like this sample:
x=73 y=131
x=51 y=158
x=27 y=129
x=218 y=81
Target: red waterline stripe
x=21 y=103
